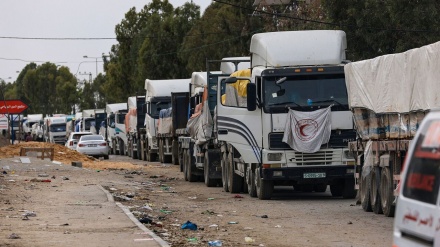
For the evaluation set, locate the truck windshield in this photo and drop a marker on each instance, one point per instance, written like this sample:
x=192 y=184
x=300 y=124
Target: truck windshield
x=121 y=118
x=423 y=176
x=157 y=106
x=304 y=92
x=58 y=127
x=89 y=122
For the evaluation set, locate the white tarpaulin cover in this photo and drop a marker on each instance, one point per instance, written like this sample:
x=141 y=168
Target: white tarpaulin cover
x=200 y=124
x=307 y=131
x=395 y=83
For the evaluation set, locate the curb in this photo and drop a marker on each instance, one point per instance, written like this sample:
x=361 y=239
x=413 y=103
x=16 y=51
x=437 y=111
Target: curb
x=141 y=226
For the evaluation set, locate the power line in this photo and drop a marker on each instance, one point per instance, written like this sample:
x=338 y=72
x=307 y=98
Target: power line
x=328 y=23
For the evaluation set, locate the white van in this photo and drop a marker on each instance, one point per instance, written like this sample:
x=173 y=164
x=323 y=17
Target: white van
x=417 y=218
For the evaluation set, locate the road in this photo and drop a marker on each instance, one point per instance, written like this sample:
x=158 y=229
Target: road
x=289 y=219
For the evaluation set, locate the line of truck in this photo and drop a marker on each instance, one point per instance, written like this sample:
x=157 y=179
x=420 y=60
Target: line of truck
x=229 y=129
x=295 y=113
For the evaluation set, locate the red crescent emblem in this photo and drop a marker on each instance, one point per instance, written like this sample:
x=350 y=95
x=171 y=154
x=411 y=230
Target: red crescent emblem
x=301 y=130
x=306 y=129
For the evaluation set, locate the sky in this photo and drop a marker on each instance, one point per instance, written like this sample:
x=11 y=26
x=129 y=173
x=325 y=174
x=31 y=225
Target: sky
x=62 y=19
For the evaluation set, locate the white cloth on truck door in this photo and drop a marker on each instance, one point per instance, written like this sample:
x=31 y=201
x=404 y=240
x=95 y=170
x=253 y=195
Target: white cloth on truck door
x=307 y=131
x=165 y=123
x=200 y=126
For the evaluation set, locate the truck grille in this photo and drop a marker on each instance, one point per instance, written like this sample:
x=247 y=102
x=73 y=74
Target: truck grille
x=338 y=139
x=322 y=157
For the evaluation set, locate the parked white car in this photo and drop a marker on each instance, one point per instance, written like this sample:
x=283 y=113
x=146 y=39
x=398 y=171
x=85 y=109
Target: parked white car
x=74 y=138
x=93 y=145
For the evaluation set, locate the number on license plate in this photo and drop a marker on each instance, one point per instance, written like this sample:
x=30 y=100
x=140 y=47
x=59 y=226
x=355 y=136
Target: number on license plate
x=92 y=145
x=314 y=175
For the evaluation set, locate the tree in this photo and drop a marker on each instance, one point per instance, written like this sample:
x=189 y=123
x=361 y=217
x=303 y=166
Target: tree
x=382 y=27
x=223 y=31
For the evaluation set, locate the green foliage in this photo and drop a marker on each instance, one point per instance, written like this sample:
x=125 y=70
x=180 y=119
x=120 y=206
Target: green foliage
x=382 y=27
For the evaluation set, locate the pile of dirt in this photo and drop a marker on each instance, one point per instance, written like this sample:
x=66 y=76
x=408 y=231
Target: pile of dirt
x=65 y=155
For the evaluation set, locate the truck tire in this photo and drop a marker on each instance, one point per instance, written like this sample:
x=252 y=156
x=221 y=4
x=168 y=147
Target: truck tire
x=365 y=188
x=337 y=189
x=264 y=187
x=225 y=172
x=190 y=167
x=349 y=192
x=235 y=182
x=208 y=181
x=175 y=153
x=180 y=156
x=121 y=148
x=129 y=148
x=115 y=150
x=184 y=164
x=374 y=192
x=387 y=192
x=320 y=187
x=250 y=180
x=161 y=156
x=134 y=152
x=139 y=150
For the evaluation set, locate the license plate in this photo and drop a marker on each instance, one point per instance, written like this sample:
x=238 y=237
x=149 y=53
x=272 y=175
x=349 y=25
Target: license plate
x=314 y=175
x=92 y=145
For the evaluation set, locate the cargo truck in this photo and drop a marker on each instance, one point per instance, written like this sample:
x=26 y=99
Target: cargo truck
x=198 y=147
x=166 y=111
x=389 y=97
x=115 y=129
x=134 y=126
x=55 y=129
x=288 y=123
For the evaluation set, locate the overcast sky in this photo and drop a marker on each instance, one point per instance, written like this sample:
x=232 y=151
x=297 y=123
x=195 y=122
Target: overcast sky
x=62 y=19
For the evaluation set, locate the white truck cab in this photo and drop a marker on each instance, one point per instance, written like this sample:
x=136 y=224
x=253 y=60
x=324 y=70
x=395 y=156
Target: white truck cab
x=417 y=218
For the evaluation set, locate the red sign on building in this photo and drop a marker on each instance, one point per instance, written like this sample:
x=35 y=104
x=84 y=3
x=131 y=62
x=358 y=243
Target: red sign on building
x=12 y=106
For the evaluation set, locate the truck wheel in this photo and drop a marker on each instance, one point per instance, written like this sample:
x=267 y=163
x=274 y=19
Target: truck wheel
x=225 y=173
x=190 y=167
x=134 y=153
x=264 y=188
x=161 y=158
x=115 y=150
x=180 y=156
x=175 y=153
x=387 y=192
x=235 y=182
x=185 y=164
x=337 y=189
x=365 y=188
x=139 y=150
x=374 y=193
x=128 y=150
x=121 y=148
x=208 y=181
x=349 y=192
x=250 y=180
x=320 y=187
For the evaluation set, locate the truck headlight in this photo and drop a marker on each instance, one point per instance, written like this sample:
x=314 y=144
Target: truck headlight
x=274 y=156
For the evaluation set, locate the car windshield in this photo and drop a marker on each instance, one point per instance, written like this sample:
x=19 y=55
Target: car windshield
x=77 y=136
x=305 y=92
x=92 y=138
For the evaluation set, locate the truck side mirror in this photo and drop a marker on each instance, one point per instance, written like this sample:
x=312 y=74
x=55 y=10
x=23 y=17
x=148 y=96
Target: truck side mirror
x=251 y=90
